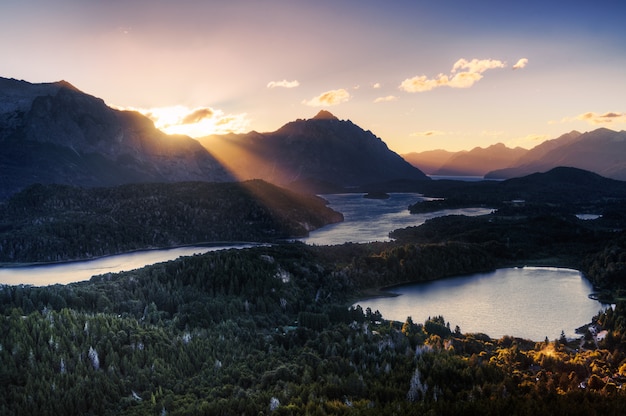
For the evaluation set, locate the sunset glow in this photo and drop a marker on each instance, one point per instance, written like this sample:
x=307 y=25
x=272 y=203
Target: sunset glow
x=532 y=69
x=196 y=122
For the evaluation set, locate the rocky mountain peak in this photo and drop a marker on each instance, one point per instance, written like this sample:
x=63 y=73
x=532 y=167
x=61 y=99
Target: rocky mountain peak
x=324 y=115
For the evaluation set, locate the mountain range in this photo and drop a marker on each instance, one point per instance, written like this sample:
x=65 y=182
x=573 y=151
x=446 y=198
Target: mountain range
x=312 y=152
x=55 y=133
x=602 y=151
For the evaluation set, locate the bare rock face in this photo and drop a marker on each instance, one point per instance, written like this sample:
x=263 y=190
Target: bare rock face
x=54 y=133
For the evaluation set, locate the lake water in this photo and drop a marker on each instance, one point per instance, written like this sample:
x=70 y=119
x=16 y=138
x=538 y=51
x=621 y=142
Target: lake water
x=529 y=302
x=367 y=220
x=41 y=275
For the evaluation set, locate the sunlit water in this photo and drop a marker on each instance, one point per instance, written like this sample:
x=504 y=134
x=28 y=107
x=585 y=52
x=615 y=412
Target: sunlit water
x=41 y=275
x=367 y=220
x=529 y=302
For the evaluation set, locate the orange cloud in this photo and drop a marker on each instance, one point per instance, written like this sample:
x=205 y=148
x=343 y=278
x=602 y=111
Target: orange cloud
x=464 y=74
x=283 y=84
x=197 y=115
x=329 y=98
x=521 y=63
x=595 y=118
x=428 y=133
x=386 y=99
x=197 y=122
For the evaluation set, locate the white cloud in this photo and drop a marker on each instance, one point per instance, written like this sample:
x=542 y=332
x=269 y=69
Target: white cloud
x=477 y=65
x=328 y=98
x=376 y=85
x=521 y=64
x=283 y=84
x=464 y=74
x=386 y=99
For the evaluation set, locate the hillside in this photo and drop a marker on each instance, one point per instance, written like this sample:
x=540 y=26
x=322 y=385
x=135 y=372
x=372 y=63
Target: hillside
x=429 y=161
x=479 y=161
x=54 y=133
x=563 y=189
x=602 y=151
x=322 y=149
x=46 y=223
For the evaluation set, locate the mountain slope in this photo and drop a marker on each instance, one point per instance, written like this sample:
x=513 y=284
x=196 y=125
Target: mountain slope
x=479 y=161
x=602 y=151
x=323 y=149
x=57 y=223
x=54 y=133
x=429 y=161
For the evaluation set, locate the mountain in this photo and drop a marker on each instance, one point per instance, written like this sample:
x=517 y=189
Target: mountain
x=602 y=151
x=429 y=161
x=54 y=133
x=475 y=162
x=479 y=161
x=320 y=150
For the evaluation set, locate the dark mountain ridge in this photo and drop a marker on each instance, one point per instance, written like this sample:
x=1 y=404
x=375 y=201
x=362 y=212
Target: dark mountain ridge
x=54 y=133
x=320 y=149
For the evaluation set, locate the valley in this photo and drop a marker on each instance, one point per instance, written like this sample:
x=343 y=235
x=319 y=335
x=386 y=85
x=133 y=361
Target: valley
x=272 y=328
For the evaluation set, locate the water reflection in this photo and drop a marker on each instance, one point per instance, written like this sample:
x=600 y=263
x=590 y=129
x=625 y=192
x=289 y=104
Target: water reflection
x=367 y=220
x=529 y=302
x=64 y=273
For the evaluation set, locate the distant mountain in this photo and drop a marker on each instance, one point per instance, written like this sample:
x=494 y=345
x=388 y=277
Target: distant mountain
x=429 y=161
x=479 y=161
x=54 y=133
x=320 y=150
x=602 y=151
x=475 y=162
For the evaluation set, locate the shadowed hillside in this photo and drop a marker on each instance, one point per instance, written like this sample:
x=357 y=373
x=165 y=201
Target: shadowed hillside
x=54 y=133
x=323 y=149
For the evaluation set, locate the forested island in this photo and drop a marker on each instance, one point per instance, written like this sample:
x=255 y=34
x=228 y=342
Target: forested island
x=268 y=330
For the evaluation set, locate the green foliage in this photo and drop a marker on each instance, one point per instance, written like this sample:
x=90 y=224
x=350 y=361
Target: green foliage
x=55 y=223
x=266 y=330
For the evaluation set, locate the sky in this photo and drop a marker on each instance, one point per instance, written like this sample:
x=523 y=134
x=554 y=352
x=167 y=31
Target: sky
x=421 y=75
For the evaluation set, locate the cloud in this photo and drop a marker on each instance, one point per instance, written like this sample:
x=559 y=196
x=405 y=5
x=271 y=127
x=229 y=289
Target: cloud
x=477 y=65
x=197 y=115
x=376 y=85
x=386 y=99
x=283 y=84
x=429 y=133
x=195 y=122
x=521 y=63
x=464 y=74
x=594 y=118
x=328 y=98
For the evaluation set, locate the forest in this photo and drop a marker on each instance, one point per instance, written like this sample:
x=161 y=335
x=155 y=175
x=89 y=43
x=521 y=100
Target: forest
x=50 y=223
x=268 y=330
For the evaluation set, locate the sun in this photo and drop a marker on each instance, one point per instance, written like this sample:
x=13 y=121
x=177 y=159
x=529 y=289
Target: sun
x=194 y=122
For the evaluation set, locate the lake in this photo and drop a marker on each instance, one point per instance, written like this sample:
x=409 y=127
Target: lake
x=529 y=302
x=367 y=220
x=48 y=274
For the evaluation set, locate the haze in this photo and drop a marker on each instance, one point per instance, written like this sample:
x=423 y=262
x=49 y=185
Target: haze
x=420 y=75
